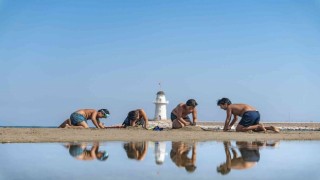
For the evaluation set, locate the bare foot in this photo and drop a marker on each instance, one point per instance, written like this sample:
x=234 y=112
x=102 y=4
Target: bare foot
x=67 y=126
x=262 y=128
x=275 y=129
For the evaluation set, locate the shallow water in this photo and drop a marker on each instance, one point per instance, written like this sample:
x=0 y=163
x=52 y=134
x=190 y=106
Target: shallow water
x=161 y=160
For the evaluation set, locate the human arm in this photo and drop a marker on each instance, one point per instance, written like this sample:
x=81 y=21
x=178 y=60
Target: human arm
x=195 y=116
x=101 y=125
x=235 y=118
x=145 y=117
x=95 y=120
x=179 y=115
x=194 y=154
x=226 y=124
x=144 y=151
x=228 y=155
x=94 y=150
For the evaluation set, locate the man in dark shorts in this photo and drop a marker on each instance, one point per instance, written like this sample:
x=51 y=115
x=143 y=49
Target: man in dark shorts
x=179 y=115
x=250 y=117
x=249 y=157
x=136 y=117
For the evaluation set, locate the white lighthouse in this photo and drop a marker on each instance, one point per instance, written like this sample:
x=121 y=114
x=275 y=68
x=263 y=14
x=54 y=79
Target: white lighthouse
x=161 y=106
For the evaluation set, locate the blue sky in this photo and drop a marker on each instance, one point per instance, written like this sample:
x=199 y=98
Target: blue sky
x=58 y=56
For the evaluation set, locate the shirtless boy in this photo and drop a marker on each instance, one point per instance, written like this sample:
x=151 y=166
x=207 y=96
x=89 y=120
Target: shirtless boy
x=135 y=118
x=250 y=117
x=179 y=115
x=79 y=118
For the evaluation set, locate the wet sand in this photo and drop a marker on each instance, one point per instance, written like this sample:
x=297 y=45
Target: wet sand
x=191 y=133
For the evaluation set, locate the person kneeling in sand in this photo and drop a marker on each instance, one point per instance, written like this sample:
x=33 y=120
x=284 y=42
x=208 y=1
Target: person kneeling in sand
x=250 y=117
x=135 y=118
x=79 y=118
x=82 y=152
x=179 y=115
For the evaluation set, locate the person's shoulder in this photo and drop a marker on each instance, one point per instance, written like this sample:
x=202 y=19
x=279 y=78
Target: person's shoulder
x=90 y=110
x=244 y=105
x=238 y=105
x=181 y=104
x=140 y=110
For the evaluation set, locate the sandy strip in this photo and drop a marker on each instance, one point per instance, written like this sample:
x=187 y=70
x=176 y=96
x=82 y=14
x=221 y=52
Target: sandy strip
x=18 y=135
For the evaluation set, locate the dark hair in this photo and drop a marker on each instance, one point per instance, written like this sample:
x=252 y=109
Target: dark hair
x=223 y=101
x=104 y=156
x=105 y=111
x=132 y=115
x=190 y=168
x=223 y=169
x=191 y=102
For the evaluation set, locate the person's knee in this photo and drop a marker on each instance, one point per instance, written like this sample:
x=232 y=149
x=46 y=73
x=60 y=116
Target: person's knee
x=176 y=124
x=239 y=128
x=83 y=124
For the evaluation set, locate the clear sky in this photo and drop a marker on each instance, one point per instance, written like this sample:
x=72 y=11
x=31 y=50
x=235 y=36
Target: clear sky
x=57 y=56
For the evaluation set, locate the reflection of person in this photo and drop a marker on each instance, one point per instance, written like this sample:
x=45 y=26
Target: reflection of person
x=81 y=152
x=250 y=117
x=160 y=152
x=179 y=155
x=249 y=155
x=79 y=118
x=179 y=115
x=136 y=118
x=136 y=150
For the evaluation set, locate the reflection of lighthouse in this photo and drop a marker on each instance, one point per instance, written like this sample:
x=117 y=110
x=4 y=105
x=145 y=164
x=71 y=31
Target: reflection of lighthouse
x=160 y=152
x=161 y=106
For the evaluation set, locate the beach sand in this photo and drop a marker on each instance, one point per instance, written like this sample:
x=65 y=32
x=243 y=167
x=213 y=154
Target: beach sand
x=298 y=131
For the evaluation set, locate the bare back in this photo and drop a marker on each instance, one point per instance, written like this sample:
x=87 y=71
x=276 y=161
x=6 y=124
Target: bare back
x=87 y=113
x=181 y=109
x=240 y=109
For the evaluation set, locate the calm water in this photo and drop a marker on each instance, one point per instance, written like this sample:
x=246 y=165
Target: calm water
x=161 y=160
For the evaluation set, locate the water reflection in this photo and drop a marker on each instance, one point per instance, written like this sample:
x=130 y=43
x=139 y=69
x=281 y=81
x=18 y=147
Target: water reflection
x=136 y=150
x=249 y=155
x=160 y=152
x=160 y=160
x=240 y=156
x=82 y=151
x=179 y=155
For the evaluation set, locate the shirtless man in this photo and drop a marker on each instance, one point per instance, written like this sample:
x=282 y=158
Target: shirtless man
x=79 y=118
x=135 y=118
x=136 y=150
x=82 y=152
x=250 y=117
x=180 y=155
x=250 y=156
x=179 y=115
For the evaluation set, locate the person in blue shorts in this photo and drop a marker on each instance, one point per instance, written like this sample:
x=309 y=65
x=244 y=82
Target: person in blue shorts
x=249 y=157
x=82 y=152
x=250 y=117
x=79 y=118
